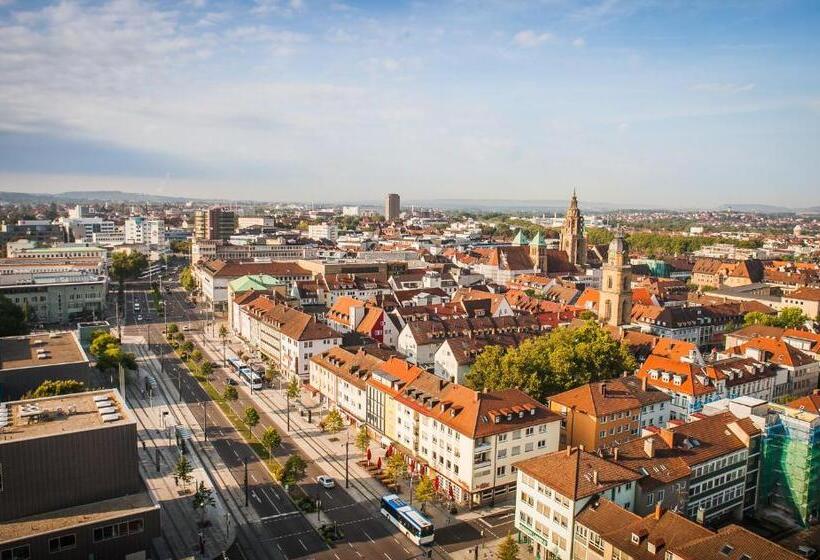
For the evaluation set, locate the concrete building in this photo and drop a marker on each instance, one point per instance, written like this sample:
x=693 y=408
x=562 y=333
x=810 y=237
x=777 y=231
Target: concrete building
x=340 y=377
x=37 y=231
x=59 y=251
x=270 y=251
x=27 y=361
x=392 y=207
x=58 y=297
x=140 y=230
x=214 y=276
x=243 y=222
x=214 y=224
x=59 y=495
x=323 y=231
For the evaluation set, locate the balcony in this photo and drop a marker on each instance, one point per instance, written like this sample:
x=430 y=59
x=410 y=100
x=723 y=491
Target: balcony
x=482 y=464
x=481 y=447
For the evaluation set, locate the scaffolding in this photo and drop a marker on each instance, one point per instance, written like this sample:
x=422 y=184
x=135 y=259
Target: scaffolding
x=790 y=477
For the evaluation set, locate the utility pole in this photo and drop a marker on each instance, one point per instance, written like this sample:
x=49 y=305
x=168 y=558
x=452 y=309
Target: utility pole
x=205 y=423
x=245 y=461
x=347 y=458
x=287 y=408
x=117 y=311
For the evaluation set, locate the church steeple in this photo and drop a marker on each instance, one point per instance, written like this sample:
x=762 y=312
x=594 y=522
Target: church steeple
x=572 y=240
x=615 y=296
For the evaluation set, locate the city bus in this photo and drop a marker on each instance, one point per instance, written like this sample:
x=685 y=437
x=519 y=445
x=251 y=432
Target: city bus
x=250 y=378
x=409 y=521
x=236 y=364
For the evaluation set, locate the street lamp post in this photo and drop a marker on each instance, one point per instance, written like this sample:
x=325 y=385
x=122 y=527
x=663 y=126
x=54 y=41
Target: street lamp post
x=205 y=422
x=245 y=461
x=347 y=458
x=287 y=408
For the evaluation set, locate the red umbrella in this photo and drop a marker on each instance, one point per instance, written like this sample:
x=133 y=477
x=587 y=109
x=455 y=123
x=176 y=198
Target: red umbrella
x=450 y=492
x=389 y=451
x=379 y=463
x=436 y=483
x=368 y=455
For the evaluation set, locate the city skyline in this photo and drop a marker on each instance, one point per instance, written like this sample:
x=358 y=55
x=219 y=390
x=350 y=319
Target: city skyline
x=684 y=104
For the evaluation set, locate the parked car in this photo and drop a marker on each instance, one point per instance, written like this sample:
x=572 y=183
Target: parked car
x=325 y=481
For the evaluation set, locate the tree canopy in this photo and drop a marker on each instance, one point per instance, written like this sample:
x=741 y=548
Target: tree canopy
x=251 y=417
x=186 y=279
x=54 y=387
x=106 y=348
x=294 y=470
x=550 y=364
x=508 y=549
x=787 y=318
x=12 y=318
x=125 y=266
x=333 y=421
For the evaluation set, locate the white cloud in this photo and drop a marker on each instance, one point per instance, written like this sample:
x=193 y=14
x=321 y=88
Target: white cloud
x=529 y=38
x=722 y=87
x=579 y=42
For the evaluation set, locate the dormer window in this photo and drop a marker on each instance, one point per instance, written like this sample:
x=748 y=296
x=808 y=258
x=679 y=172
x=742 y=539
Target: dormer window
x=636 y=539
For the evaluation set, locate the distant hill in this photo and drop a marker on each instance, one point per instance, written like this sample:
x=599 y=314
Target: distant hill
x=92 y=196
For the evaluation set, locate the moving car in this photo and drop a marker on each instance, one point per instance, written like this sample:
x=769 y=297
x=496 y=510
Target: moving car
x=139 y=317
x=325 y=481
x=807 y=551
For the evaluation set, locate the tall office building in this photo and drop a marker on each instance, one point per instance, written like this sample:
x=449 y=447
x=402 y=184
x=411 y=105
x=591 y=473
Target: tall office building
x=214 y=223
x=392 y=207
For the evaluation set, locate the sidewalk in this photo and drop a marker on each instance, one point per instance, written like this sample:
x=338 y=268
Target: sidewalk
x=156 y=421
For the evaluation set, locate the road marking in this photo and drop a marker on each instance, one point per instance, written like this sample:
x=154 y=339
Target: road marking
x=235 y=453
x=337 y=556
x=278 y=515
x=303 y=544
x=255 y=497
x=368 y=536
x=253 y=478
x=388 y=556
x=328 y=495
x=405 y=549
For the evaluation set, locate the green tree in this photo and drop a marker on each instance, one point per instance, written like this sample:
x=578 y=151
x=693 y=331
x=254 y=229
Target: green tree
x=508 y=549
x=12 y=318
x=54 y=387
x=758 y=318
x=173 y=328
x=183 y=470
x=362 y=439
x=276 y=471
x=588 y=315
x=425 y=490
x=109 y=354
x=187 y=347
x=486 y=367
x=333 y=422
x=186 y=279
x=230 y=393
x=202 y=500
x=550 y=364
x=126 y=266
x=251 y=417
x=396 y=467
x=223 y=336
x=206 y=368
x=791 y=318
x=293 y=388
x=271 y=439
x=271 y=373
x=598 y=236
x=196 y=355
x=294 y=470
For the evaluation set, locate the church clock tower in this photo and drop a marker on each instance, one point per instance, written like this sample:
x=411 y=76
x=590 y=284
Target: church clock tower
x=572 y=240
x=615 y=300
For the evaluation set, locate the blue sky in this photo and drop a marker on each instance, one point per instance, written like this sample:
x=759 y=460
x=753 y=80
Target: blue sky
x=653 y=102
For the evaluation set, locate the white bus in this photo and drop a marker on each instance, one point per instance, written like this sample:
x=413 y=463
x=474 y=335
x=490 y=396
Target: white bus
x=418 y=528
x=250 y=378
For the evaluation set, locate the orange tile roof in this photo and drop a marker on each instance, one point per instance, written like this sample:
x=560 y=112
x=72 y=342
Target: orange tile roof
x=775 y=351
x=810 y=403
x=572 y=472
x=690 y=384
x=673 y=348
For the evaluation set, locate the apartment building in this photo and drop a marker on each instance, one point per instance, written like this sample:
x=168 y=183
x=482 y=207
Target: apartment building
x=288 y=337
x=58 y=296
x=467 y=440
x=144 y=231
x=797 y=372
x=455 y=357
x=318 y=232
x=605 y=531
x=554 y=488
x=214 y=276
x=272 y=250
x=340 y=377
x=702 y=325
x=419 y=340
x=352 y=315
x=214 y=224
x=95 y=506
x=691 y=385
x=606 y=413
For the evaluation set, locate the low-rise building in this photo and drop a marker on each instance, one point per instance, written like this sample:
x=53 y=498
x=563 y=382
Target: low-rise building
x=797 y=372
x=554 y=488
x=340 y=377
x=58 y=494
x=604 y=414
x=213 y=276
x=58 y=297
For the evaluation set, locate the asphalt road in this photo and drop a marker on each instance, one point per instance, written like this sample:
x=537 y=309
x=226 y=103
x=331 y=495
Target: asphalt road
x=284 y=529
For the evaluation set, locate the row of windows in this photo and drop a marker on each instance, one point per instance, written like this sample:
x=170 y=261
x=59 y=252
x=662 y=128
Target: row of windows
x=68 y=542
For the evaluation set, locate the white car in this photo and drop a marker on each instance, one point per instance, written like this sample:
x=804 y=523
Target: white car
x=325 y=481
x=139 y=317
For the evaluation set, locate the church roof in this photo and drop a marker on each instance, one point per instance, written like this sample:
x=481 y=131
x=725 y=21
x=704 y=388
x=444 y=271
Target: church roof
x=520 y=238
x=538 y=240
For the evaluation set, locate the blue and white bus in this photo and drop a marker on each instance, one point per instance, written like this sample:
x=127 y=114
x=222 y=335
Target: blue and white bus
x=236 y=364
x=250 y=378
x=412 y=523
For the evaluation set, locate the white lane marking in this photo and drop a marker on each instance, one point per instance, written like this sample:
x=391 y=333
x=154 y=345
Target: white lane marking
x=337 y=556
x=303 y=544
x=235 y=453
x=253 y=478
x=328 y=495
x=388 y=556
x=255 y=496
x=368 y=536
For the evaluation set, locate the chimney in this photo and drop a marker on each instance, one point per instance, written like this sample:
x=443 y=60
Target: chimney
x=668 y=437
x=643 y=383
x=658 y=511
x=649 y=447
x=615 y=454
x=569 y=450
x=595 y=477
